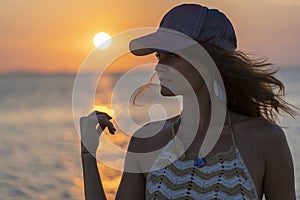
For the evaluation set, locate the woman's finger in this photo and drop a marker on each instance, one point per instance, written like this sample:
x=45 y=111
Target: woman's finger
x=105 y=123
x=111 y=129
x=103 y=120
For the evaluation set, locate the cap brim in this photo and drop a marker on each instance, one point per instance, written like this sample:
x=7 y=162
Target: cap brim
x=162 y=40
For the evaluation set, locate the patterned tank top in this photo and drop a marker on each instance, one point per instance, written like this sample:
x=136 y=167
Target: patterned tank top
x=224 y=176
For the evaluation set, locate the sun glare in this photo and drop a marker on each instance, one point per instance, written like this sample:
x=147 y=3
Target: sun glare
x=102 y=40
x=103 y=108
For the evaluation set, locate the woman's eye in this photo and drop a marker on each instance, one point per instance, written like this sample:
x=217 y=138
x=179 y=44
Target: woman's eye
x=169 y=55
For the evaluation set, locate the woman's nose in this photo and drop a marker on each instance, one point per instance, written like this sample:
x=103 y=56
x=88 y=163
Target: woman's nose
x=161 y=68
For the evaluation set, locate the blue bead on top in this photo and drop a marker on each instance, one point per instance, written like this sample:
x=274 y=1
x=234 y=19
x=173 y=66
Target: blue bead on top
x=199 y=162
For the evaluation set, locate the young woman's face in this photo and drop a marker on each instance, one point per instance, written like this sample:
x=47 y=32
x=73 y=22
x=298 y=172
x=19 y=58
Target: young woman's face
x=176 y=75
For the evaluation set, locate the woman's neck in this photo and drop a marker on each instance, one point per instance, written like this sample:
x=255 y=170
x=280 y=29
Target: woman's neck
x=195 y=116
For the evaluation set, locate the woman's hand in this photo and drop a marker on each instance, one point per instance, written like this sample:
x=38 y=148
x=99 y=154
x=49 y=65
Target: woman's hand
x=90 y=133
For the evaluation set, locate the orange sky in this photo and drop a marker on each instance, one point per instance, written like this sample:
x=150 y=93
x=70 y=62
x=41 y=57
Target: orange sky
x=56 y=36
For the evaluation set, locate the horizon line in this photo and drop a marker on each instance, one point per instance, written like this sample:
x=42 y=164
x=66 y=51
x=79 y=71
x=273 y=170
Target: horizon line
x=34 y=72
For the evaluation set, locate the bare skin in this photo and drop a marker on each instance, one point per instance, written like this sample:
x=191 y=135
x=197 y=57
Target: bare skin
x=263 y=144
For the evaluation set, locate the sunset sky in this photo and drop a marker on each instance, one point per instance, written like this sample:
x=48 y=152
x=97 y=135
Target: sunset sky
x=56 y=36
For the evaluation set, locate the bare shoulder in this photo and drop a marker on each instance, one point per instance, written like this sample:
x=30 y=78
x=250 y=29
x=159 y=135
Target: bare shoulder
x=139 y=161
x=269 y=132
x=151 y=136
x=274 y=140
x=278 y=179
x=147 y=143
x=263 y=133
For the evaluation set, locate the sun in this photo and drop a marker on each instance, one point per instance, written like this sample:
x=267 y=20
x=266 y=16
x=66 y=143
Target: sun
x=102 y=40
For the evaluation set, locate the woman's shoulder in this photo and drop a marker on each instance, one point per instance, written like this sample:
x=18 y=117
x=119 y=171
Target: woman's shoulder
x=152 y=135
x=271 y=133
x=265 y=128
x=262 y=132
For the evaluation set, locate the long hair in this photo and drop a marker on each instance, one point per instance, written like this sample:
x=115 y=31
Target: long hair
x=251 y=86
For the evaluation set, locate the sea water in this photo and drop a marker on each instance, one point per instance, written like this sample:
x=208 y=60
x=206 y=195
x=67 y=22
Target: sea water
x=39 y=146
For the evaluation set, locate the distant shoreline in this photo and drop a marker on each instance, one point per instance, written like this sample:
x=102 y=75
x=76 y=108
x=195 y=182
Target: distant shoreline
x=22 y=73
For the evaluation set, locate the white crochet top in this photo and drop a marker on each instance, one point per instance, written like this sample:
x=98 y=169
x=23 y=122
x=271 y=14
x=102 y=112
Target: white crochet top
x=224 y=176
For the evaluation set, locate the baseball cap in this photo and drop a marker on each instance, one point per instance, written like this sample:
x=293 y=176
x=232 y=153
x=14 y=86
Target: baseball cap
x=184 y=26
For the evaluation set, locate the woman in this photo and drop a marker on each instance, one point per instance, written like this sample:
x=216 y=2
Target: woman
x=251 y=158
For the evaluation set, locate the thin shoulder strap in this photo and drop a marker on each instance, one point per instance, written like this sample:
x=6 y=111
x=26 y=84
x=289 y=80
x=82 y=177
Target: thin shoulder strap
x=231 y=129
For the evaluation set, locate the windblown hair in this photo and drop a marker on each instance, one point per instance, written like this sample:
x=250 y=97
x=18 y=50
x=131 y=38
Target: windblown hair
x=251 y=87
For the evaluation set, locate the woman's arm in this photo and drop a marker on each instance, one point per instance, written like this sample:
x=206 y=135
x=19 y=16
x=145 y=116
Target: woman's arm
x=89 y=144
x=92 y=183
x=132 y=185
x=279 y=180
